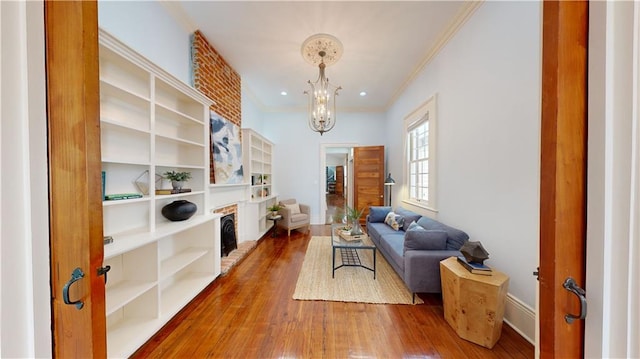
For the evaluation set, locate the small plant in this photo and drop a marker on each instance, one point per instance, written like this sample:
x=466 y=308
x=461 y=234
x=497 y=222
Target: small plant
x=353 y=214
x=177 y=176
x=274 y=207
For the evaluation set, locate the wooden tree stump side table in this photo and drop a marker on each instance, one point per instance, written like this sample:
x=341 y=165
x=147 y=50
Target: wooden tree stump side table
x=473 y=303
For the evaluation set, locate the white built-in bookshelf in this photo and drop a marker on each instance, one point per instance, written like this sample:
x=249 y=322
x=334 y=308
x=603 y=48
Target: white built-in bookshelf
x=151 y=123
x=257 y=154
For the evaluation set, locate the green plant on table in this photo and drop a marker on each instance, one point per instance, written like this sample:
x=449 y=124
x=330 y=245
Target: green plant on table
x=177 y=176
x=354 y=214
x=274 y=207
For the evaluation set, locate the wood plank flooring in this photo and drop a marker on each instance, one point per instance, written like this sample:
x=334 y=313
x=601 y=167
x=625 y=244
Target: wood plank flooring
x=249 y=313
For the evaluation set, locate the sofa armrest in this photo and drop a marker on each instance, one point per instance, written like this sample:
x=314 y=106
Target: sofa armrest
x=286 y=215
x=306 y=209
x=422 y=269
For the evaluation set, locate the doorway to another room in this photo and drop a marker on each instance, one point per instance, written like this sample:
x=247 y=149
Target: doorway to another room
x=337 y=191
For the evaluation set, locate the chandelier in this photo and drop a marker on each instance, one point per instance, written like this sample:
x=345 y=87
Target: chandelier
x=322 y=50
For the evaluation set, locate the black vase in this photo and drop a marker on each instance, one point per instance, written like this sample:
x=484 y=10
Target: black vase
x=179 y=210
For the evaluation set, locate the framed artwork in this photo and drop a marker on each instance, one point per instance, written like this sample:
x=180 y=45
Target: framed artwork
x=226 y=150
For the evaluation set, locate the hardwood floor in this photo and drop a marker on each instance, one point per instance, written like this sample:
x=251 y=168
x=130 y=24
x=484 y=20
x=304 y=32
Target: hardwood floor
x=249 y=313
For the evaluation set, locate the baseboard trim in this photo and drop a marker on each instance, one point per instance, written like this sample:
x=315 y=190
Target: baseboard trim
x=521 y=318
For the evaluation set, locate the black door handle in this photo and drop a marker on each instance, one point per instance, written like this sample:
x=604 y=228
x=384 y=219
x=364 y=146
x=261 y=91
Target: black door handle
x=571 y=285
x=103 y=271
x=75 y=276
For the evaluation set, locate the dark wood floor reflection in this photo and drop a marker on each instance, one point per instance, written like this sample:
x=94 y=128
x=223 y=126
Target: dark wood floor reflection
x=249 y=313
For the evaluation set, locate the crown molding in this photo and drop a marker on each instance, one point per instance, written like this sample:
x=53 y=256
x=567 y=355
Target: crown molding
x=446 y=35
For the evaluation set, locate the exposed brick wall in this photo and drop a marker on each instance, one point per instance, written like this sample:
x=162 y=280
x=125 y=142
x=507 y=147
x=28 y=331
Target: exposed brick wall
x=213 y=76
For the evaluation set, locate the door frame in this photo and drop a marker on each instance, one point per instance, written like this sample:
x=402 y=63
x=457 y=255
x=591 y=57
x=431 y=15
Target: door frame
x=562 y=176
x=75 y=203
x=613 y=172
x=323 y=177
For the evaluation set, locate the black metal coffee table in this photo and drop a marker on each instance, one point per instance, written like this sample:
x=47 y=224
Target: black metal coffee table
x=348 y=247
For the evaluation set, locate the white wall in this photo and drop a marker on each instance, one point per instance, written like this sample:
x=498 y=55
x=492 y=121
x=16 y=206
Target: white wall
x=147 y=27
x=24 y=238
x=297 y=172
x=251 y=114
x=488 y=82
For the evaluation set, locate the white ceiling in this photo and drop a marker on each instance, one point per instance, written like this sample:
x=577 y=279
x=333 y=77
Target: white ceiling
x=385 y=44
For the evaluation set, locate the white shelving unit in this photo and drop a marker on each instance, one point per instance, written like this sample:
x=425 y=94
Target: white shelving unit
x=257 y=157
x=151 y=123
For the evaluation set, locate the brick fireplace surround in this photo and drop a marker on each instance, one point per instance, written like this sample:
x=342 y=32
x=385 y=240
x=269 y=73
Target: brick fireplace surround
x=213 y=76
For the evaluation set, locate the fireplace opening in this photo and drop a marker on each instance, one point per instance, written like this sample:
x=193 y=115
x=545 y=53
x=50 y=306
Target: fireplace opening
x=228 y=234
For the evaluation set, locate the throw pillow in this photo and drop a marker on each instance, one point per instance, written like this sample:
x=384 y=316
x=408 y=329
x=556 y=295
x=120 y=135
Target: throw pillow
x=409 y=216
x=418 y=238
x=394 y=221
x=378 y=214
x=294 y=208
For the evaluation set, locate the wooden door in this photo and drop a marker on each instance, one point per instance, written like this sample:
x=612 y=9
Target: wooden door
x=368 y=172
x=71 y=31
x=563 y=175
x=340 y=180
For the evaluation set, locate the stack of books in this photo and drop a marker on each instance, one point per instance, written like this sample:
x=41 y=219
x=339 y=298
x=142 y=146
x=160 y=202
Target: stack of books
x=473 y=267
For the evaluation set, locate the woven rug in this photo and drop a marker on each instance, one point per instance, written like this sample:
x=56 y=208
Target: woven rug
x=351 y=284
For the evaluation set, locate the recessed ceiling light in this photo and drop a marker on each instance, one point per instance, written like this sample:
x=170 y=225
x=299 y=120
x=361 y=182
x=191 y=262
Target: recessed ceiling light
x=363 y=93
x=283 y=93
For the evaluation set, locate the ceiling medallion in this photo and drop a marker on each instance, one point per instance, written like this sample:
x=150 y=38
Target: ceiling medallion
x=312 y=46
x=322 y=50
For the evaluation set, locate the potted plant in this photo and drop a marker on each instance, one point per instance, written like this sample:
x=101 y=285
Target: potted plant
x=274 y=208
x=177 y=178
x=353 y=214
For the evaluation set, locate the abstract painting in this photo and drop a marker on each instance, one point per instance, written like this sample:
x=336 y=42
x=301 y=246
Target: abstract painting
x=226 y=150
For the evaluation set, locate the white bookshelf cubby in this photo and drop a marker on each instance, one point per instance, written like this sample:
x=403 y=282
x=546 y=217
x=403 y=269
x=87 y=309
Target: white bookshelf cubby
x=151 y=123
x=257 y=156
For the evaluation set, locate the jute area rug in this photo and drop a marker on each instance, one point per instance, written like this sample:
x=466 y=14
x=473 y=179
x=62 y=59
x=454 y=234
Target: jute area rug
x=351 y=284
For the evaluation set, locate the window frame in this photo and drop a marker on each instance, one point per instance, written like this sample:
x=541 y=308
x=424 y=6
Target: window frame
x=425 y=112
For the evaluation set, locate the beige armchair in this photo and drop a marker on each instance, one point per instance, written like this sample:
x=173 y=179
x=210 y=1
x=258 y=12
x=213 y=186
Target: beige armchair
x=294 y=215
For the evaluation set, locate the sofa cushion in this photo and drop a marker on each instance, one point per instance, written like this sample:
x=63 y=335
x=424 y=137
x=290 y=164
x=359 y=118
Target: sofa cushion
x=395 y=248
x=377 y=214
x=381 y=230
x=418 y=238
x=299 y=217
x=408 y=216
x=455 y=237
x=394 y=221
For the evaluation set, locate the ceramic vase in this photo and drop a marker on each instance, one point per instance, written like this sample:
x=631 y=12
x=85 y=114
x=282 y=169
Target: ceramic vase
x=179 y=210
x=356 y=228
x=177 y=185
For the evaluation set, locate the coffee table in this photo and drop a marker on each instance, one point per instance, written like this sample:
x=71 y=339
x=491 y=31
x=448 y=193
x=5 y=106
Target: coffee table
x=348 y=247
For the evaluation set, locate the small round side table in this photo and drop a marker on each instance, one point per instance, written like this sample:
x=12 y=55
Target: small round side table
x=275 y=220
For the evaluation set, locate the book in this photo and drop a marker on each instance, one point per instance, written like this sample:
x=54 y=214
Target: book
x=473 y=267
x=104 y=183
x=173 y=191
x=118 y=196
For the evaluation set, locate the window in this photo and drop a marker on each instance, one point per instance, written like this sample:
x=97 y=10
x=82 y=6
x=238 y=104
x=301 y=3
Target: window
x=420 y=142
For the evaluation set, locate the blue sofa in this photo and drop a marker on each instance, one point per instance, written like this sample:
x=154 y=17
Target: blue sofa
x=416 y=247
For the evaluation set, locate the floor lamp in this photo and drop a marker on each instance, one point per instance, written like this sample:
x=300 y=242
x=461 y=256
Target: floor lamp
x=388 y=182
